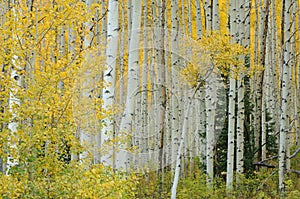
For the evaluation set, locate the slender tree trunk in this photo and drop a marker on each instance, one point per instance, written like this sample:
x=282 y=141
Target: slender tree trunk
x=208 y=15
x=201 y=104
x=132 y=82
x=212 y=24
x=255 y=87
x=232 y=101
x=175 y=79
x=144 y=100
x=284 y=121
x=109 y=77
x=243 y=20
x=13 y=102
x=182 y=143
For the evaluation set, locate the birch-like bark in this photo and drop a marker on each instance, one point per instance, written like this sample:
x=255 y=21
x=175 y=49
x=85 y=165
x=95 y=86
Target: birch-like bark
x=255 y=86
x=13 y=102
x=183 y=95
x=161 y=79
x=210 y=104
x=292 y=110
x=132 y=83
x=211 y=97
x=144 y=100
x=175 y=79
x=182 y=143
x=215 y=15
x=261 y=77
x=208 y=15
x=284 y=121
x=231 y=109
x=274 y=77
x=199 y=19
x=242 y=19
x=122 y=58
x=109 y=76
x=201 y=98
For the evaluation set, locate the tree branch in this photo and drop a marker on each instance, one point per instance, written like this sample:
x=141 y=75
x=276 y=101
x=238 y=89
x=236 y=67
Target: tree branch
x=262 y=164
x=294 y=171
x=294 y=154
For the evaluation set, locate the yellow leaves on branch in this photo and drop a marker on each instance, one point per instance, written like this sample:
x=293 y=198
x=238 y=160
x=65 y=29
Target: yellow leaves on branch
x=44 y=46
x=226 y=54
x=216 y=47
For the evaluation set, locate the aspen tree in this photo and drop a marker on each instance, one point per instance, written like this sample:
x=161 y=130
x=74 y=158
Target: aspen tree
x=161 y=78
x=144 y=101
x=13 y=101
x=242 y=25
x=256 y=120
x=274 y=103
x=284 y=121
x=212 y=24
x=292 y=110
x=132 y=83
x=109 y=74
x=261 y=79
x=122 y=57
x=175 y=79
x=183 y=95
x=182 y=140
x=208 y=15
x=232 y=95
x=168 y=85
x=201 y=103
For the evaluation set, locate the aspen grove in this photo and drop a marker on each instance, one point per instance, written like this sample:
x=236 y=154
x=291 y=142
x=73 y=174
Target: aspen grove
x=150 y=99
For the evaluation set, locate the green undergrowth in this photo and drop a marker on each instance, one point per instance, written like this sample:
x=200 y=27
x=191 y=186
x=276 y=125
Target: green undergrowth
x=262 y=183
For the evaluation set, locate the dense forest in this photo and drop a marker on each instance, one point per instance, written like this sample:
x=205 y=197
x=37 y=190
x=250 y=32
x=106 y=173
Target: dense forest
x=150 y=99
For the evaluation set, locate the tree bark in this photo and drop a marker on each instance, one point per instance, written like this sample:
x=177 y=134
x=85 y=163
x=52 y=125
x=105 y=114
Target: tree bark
x=109 y=76
x=284 y=121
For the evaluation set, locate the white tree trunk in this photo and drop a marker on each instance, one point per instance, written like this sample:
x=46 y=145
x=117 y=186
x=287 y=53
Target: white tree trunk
x=144 y=100
x=212 y=24
x=175 y=80
x=208 y=15
x=201 y=102
x=199 y=19
x=284 y=121
x=132 y=83
x=13 y=102
x=13 y=125
x=181 y=145
x=109 y=77
x=210 y=104
x=232 y=101
x=240 y=95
